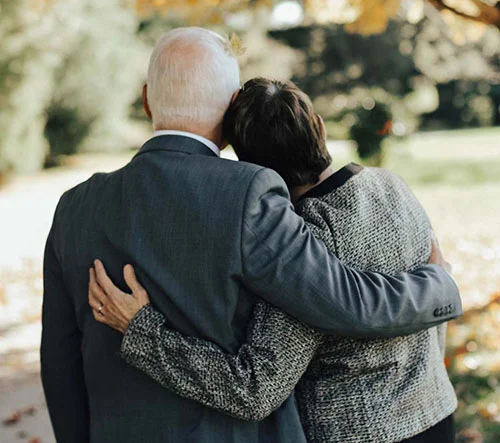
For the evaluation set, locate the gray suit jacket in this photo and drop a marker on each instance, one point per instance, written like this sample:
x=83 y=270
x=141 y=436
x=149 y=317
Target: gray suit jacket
x=215 y=235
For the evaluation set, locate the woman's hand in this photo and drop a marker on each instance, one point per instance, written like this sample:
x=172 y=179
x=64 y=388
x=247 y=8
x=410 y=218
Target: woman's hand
x=437 y=257
x=110 y=305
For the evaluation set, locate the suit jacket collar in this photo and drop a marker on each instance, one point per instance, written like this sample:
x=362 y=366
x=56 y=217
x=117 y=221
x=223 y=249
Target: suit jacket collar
x=198 y=137
x=176 y=143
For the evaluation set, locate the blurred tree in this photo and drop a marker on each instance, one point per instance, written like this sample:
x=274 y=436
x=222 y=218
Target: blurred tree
x=25 y=88
x=465 y=72
x=359 y=16
x=68 y=69
x=98 y=79
x=371 y=128
x=355 y=65
x=68 y=74
x=486 y=12
x=344 y=73
x=409 y=67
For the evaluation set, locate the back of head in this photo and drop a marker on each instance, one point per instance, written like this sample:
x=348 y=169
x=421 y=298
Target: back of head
x=191 y=79
x=273 y=124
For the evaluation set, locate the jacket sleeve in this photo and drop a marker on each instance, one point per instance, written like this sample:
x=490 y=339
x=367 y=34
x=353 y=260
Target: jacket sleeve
x=285 y=265
x=249 y=385
x=61 y=358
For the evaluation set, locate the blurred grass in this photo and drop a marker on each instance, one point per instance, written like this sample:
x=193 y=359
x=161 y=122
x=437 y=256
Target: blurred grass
x=456 y=158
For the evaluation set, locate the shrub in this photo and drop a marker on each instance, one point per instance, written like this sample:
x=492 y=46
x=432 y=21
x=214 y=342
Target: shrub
x=25 y=86
x=68 y=75
x=372 y=127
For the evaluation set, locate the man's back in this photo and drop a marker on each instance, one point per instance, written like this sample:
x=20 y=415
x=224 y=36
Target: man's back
x=175 y=213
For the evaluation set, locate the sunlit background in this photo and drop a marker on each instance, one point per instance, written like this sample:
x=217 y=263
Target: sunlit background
x=410 y=85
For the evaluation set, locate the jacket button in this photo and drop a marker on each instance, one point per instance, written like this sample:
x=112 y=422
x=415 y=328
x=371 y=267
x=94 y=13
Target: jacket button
x=437 y=312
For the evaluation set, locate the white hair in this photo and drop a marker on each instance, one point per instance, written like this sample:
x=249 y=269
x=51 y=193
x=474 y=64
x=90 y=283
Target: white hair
x=191 y=79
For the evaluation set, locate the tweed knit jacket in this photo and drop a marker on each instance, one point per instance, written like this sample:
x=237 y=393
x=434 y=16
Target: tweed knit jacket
x=347 y=389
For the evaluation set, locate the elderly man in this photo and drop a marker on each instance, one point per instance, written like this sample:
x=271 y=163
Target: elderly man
x=213 y=234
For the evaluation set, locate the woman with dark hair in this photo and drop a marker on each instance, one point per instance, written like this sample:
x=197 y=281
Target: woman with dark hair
x=348 y=390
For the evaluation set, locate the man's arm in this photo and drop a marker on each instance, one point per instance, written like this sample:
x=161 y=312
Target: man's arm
x=62 y=370
x=284 y=264
x=249 y=385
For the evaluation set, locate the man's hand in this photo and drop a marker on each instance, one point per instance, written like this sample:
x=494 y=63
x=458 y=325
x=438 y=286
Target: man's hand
x=436 y=257
x=110 y=305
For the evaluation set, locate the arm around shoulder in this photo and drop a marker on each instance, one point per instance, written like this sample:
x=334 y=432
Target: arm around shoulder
x=288 y=267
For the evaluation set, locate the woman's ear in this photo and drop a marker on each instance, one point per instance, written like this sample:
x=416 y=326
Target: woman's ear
x=145 y=103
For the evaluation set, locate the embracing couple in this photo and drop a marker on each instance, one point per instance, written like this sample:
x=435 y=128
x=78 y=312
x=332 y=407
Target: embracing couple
x=273 y=299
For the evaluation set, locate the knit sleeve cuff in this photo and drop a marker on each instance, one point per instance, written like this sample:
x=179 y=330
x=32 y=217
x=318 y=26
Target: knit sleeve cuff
x=147 y=319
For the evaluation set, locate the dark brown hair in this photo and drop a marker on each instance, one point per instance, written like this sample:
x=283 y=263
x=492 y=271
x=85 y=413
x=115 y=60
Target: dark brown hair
x=273 y=124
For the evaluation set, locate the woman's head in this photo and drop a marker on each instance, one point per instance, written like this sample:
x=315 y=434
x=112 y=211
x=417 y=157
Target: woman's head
x=273 y=124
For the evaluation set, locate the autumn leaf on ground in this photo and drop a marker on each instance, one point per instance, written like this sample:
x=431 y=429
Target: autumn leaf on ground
x=32 y=410
x=470 y=436
x=13 y=419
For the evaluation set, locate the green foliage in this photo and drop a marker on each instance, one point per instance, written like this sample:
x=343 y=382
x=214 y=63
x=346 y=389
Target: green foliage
x=68 y=75
x=65 y=130
x=373 y=125
x=475 y=393
x=100 y=77
x=336 y=61
x=403 y=66
x=24 y=89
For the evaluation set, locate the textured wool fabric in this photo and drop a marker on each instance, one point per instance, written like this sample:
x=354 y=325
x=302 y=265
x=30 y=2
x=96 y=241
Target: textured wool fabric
x=350 y=390
x=374 y=390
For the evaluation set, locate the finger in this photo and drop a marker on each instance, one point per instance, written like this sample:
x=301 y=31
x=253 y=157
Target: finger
x=435 y=238
x=131 y=279
x=102 y=277
x=137 y=290
x=435 y=255
x=98 y=316
x=448 y=266
x=94 y=289
x=94 y=302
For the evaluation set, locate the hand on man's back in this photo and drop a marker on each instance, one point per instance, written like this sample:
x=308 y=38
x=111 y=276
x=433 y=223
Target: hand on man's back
x=436 y=257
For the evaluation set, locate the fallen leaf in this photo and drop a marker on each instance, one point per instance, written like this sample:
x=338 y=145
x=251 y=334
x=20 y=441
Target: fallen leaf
x=30 y=410
x=470 y=436
x=13 y=419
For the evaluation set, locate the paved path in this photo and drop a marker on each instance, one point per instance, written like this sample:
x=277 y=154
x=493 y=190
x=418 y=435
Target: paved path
x=27 y=205
x=25 y=396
